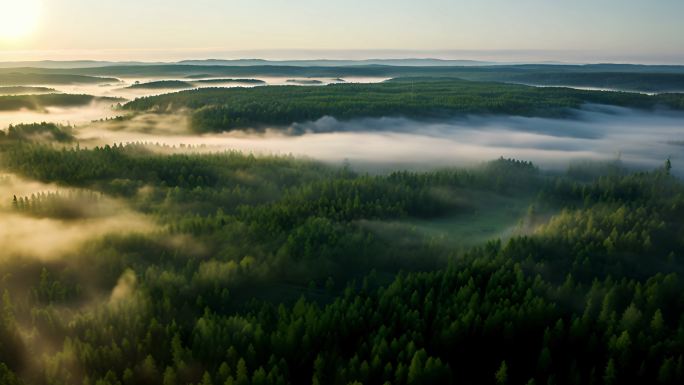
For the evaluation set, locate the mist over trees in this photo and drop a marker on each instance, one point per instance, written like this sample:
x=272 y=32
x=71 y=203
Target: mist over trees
x=625 y=77
x=140 y=263
x=22 y=90
x=12 y=77
x=270 y=282
x=225 y=109
x=41 y=101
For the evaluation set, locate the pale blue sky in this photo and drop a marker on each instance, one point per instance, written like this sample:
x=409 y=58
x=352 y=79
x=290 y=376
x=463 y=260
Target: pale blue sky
x=580 y=29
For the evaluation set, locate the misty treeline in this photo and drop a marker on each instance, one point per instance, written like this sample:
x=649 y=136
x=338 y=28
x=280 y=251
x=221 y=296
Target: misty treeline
x=225 y=109
x=648 y=78
x=40 y=102
x=23 y=90
x=258 y=273
x=179 y=84
x=223 y=80
x=76 y=204
x=49 y=132
x=646 y=82
x=162 y=84
x=21 y=77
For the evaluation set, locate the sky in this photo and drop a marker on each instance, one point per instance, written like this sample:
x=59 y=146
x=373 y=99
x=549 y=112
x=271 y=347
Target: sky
x=575 y=31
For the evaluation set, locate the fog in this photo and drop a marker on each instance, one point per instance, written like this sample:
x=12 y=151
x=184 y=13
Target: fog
x=47 y=238
x=639 y=139
x=30 y=240
x=587 y=88
x=124 y=288
x=68 y=115
x=102 y=110
x=120 y=89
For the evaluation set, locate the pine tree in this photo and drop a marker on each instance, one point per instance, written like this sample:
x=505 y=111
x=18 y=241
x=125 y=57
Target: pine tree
x=169 y=376
x=610 y=376
x=501 y=375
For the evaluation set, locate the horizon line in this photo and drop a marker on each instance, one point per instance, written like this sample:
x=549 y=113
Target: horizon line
x=504 y=56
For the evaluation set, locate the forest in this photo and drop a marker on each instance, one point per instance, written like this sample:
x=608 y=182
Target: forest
x=22 y=90
x=201 y=80
x=646 y=82
x=626 y=77
x=41 y=101
x=179 y=84
x=341 y=192
x=221 y=109
x=283 y=270
x=161 y=84
x=28 y=77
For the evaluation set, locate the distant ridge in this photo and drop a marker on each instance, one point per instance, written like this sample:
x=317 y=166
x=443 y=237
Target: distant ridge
x=55 y=64
x=418 y=62
x=69 y=64
x=407 y=62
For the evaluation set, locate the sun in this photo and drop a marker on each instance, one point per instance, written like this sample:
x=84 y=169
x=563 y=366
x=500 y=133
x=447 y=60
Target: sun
x=18 y=18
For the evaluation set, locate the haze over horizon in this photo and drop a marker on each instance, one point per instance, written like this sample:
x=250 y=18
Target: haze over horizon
x=496 y=56
x=342 y=192
x=525 y=31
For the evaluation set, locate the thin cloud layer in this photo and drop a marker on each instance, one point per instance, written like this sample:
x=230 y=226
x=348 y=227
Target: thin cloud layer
x=46 y=238
x=641 y=139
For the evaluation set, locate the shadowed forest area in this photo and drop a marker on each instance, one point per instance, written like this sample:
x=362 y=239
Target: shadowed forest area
x=282 y=270
x=220 y=109
x=341 y=192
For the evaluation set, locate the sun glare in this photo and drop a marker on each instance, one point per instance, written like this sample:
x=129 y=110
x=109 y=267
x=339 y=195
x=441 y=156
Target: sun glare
x=18 y=18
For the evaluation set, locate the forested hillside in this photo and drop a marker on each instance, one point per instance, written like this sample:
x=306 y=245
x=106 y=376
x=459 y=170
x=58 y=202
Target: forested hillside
x=42 y=101
x=221 y=109
x=162 y=84
x=626 y=77
x=34 y=76
x=23 y=90
x=341 y=192
x=278 y=270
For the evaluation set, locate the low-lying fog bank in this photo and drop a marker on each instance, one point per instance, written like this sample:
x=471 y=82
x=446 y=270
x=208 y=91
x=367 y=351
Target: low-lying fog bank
x=601 y=133
x=588 y=88
x=130 y=88
x=79 y=216
x=60 y=115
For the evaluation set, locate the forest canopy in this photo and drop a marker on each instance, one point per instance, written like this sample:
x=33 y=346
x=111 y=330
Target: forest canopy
x=42 y=101
x=587 y=289
x=138 y=263
x=22 y=90
x=162 y=84
x=626 y=77
x=30 y=78
x=225 y=109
